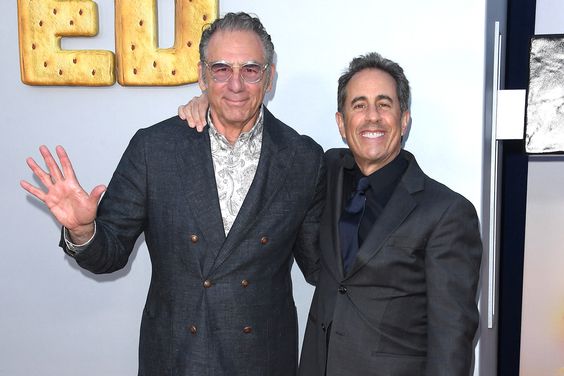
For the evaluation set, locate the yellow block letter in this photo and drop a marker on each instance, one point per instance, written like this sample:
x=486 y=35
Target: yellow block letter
x=140 y=61
x=42 y=23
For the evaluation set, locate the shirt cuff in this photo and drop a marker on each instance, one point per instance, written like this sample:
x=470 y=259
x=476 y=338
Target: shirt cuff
x=74 y=249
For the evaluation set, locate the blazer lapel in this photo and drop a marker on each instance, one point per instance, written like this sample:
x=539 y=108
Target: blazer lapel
x=274 y=163
x=335 y=200
x=195 y=166
x=399 y=207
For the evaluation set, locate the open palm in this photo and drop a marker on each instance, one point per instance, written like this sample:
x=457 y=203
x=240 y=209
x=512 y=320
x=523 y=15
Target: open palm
x=69 y=203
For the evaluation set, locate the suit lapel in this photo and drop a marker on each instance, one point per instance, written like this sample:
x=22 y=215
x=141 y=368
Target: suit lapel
x=335 y=196
x=399 y=207
x=274 y=163
x=196 y=167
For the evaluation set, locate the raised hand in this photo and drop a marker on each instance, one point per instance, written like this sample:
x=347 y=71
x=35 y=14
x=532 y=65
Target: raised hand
x=73 y=207
x=195 y=111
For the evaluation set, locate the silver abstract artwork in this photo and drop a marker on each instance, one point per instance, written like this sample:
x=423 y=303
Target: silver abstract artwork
x=544 y=126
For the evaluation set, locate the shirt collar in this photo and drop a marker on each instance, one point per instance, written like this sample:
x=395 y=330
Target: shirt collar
x=252 y=134
x=381 y=178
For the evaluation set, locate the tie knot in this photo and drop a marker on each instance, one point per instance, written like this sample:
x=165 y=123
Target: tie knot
x=355 y=205
x=362 y=184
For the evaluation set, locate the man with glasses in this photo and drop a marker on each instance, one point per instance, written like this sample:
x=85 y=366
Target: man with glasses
x=224 y=212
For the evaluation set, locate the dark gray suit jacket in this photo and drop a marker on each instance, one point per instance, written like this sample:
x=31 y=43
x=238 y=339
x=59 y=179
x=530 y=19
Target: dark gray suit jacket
x=407 y=307
x=216 y=306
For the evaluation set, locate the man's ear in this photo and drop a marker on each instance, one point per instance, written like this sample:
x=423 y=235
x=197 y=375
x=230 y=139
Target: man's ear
x=202 y=77
x=271 y=77
x=405 y=121
x=341 y=124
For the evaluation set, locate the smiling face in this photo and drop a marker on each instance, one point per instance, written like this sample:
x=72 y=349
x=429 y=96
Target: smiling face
x=371 y=121
x=235 y=104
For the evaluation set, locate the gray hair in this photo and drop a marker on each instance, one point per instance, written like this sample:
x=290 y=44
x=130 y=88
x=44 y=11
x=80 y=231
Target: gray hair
x=238 y=22
x=374 y=60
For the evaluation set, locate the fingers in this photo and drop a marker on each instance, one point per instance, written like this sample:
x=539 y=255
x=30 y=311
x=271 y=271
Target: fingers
x=43 y=176
x=52 y=166
x=195 y=112
x=33 y=190
x=189 y=108
x=182 y=113
x=66 y=164
x=199 y=111
x=64 y=196
x=189 y=112
x=185 y=113
x=54 y=176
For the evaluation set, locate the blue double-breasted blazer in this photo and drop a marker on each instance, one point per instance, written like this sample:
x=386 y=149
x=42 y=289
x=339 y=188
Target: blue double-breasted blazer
x=217 y=305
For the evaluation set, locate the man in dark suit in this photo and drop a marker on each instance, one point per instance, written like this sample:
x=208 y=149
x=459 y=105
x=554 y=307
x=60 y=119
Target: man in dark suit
x=400 y=252
x=224 y=212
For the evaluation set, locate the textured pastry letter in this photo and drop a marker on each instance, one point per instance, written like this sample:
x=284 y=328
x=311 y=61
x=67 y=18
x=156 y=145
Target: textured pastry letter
x=140 y=61
x=41 y=24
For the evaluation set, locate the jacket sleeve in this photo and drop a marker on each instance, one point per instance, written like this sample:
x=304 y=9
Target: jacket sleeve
x=452 y=263
x=121 y=214
x=306 y=248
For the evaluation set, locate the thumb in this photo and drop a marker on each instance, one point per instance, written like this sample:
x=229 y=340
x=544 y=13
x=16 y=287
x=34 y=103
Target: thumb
x=97 y=192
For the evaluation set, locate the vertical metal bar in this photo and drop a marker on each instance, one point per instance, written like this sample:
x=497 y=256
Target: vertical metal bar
x=494 y=172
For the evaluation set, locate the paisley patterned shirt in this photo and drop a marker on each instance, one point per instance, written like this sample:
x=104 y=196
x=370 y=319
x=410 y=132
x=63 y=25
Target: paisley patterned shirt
x=234 y=166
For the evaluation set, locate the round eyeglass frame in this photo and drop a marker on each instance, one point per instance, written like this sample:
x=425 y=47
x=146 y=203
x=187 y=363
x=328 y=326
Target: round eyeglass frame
x=231 y=66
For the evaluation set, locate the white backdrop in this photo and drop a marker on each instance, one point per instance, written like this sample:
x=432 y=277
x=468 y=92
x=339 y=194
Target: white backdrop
x=56 y=319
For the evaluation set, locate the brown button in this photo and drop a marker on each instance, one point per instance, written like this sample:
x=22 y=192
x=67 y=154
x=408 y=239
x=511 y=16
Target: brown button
x=247 y=329
x=193 y=329
x=244 y=283
x=264 y=240
x=194 y=238
x=207 y=283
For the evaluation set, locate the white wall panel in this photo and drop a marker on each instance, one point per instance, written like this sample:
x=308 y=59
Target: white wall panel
x=59 y=320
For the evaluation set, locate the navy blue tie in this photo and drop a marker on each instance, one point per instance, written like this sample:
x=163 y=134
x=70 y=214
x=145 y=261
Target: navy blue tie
x=350 y=221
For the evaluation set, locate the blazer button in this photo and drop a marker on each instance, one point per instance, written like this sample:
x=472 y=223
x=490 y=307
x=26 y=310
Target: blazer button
x=244 y=283
x=342 y=290
x=193 y=329
x=264 y=240
x=247 y=329
x=207 y=283
x=323 y=327
x=194 y=238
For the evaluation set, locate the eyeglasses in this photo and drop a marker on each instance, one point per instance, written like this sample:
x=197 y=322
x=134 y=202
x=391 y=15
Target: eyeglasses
x=222 y=71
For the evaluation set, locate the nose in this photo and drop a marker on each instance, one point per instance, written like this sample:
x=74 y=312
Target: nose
x=236 y=83
x=372 y=113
